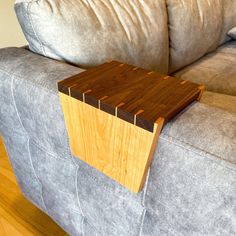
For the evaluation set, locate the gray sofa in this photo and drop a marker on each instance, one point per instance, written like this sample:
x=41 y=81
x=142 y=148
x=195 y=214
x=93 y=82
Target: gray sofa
x=191 y=185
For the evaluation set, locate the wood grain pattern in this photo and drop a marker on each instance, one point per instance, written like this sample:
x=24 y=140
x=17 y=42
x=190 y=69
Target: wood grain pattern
x=18 y=217
x=117 y=148
x=124 y=90
x=114 y=114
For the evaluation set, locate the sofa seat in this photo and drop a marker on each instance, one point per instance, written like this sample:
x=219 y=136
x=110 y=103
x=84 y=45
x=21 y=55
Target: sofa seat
x=222 y=101
x=217 y=70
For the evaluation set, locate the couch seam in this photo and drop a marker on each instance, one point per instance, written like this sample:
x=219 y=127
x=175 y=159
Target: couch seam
x=143 y=203
x=82 y=226
x=29 y=81
x=76 y=190
x=78 y=198
x=35 y=143
x=14 y=103
x=28 y=140
x=32 y=26
x=96 y=180
x=142 y=222
x=163 y=134
x=197 y=151
x=166 y=136
x=13 y=77
x=77 y=166
x=68 y=160
x=49 y=153
x=31 y=163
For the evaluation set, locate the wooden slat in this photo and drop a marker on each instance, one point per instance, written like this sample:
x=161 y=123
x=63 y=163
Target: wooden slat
x=117 y=148
x=114 y=114
x=135 y=88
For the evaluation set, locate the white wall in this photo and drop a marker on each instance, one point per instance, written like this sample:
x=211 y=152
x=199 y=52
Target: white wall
x=10 y=31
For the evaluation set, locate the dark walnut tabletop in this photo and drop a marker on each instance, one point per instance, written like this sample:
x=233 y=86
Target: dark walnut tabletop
x=131 y=93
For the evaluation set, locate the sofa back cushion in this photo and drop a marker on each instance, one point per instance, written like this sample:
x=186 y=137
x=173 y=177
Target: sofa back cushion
x=229 y=19
x=195 y=28
x=89 y=32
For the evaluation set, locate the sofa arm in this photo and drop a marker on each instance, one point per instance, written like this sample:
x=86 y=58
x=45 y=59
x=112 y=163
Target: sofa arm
x=29 y=96
x=191 y=181
x=191 y=188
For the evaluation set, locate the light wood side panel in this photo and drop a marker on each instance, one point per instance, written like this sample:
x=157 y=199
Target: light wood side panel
x=117 y=148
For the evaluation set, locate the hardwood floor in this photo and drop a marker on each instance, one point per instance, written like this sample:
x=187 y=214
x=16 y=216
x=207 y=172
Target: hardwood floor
x=18 y=217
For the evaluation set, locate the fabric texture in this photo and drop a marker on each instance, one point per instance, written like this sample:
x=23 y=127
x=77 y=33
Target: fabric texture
x=229 y=21
x=194 y=29
x=222 y=101
x=217 y=70
x=197 y=28
x=232 y=33
x=88 y=32
x=191 y=180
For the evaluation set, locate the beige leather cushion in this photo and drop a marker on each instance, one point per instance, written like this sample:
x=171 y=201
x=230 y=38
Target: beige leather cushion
x=88 y=32
x=217 y=70
x=195 y=29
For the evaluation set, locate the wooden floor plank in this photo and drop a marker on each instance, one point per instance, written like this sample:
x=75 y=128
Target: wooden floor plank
x=18 y=216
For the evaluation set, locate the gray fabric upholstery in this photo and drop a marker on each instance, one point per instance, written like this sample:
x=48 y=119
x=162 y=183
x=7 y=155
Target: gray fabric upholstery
x=197 y=27
x=88 y=33
x=191 y=180
x=200 y=31
x=217 y=70
x=232 y=33
x=223 y=101
x=229 y=21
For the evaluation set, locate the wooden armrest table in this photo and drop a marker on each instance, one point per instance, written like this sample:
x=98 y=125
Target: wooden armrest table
x=114 y=114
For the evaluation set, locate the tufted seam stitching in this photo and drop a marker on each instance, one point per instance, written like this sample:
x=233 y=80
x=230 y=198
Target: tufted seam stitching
x=178 y=144
x=76 y=186
x=96 y=180
x=14 y=104
x=46 y=89
x=39 y=86
x=55 y=94
x=29 y=4
x=82 y=224
x=59 y=190
x=31 y=163
x=143 y=203
x=142 y=222
x=77 y=195
x=12 y=76
x=28 y=139
x=106 y=188
x=196 y=150
x=145 y=189
x=49 y=153
x=76 y=190
x=35 y=143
